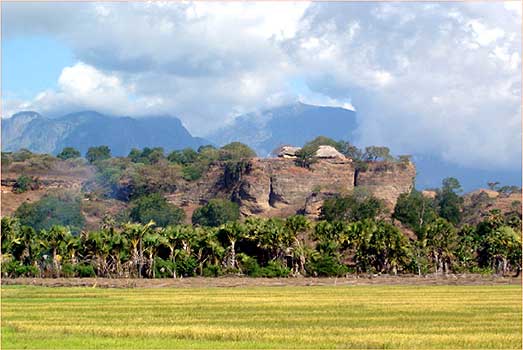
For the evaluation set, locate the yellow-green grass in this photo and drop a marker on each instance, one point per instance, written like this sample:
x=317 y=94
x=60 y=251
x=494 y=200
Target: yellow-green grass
x=407 y=317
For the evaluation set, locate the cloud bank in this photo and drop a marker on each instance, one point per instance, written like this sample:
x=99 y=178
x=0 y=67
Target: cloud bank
x=435 y=78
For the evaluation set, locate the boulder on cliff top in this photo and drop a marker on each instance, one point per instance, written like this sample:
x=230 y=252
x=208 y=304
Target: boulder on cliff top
x=323 y=151
x=288 y=151
x=328 y=152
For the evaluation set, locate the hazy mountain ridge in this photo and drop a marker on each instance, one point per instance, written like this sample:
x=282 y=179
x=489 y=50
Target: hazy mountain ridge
x=293 y=124
x=82 y=130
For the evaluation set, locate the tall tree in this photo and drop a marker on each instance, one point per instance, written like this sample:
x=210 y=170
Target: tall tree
x=95 y=154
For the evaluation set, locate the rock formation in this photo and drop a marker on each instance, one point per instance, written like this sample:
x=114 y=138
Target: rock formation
x=278 y=187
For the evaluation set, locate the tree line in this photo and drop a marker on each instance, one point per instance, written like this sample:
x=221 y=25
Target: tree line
x=355 y=233
x=353 y=236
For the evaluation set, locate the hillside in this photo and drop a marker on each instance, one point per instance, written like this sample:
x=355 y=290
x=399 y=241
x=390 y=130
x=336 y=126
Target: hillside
x=82 y=130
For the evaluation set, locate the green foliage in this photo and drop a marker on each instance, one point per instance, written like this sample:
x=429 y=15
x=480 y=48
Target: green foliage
x=373 y=153
x=124 y=180
x=95 y=154
x=306 y=156
x=192 y=172
x=22 y=155
x=354 y=207
x=6 y=159
x=184 y=157
x=449 y=203
x=233 y=172
x=236 y=151
x=68 y=153
x=147 y=155
x=14 y=269
x=327 y=265
x=25 y=183
x=502 y=246
x=274 y=269
x=414 y=210
x=212 y=271
x=216 y=213
x=507 y=190
x=84 y=270
x=50 y=211
x=154 y=207
x=322 y=141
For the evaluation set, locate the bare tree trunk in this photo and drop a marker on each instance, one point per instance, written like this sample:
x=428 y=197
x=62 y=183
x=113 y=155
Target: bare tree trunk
x=233 y=254
x=140 y=259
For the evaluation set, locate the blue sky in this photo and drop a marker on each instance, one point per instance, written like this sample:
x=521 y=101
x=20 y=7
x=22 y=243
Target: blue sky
x=443 y=79
x=31 y=64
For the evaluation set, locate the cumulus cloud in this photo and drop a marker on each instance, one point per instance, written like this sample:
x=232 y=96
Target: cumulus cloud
x=449 y=72
x=203 y=62
x=435 y=78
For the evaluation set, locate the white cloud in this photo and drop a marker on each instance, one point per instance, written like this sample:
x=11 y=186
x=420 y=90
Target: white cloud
x=439 y=78
x=443 y=79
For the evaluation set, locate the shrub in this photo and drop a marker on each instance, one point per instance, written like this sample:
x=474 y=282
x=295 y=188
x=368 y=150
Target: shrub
x=68 y=270
x=68 y=153
x=156 y=208
x=186 y=266
x=164 y=268
x=192 y=172
x=249 y=265
x=50 y=211
x=95 y=154
x=274 y=269
x=351 y=208
x=22 y=155
x=216 y=213
x=212 y=271
x=16 y=269
x=25 y=183
x=327 y=265
x=236 y=151
x=84 y=270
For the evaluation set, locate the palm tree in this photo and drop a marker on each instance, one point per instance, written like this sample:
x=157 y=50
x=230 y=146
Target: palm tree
x=135 y=234
x=502 y=244
x=118 y=245
x=52 y=240
x=442 y=241
x=169 y=238
x=151 y=242
x=231 y=232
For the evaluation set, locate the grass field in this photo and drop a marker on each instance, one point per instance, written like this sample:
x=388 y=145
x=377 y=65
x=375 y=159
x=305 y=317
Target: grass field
x=409 y=317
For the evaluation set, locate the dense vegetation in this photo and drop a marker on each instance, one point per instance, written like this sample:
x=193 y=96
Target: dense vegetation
x=355 y=233
x=354 y=238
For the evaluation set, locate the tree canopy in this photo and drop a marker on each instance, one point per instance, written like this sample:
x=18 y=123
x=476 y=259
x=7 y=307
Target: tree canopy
x=64 y=210
x=69 y=153
x=216 y=213
x=95 y=154
x=154 y=207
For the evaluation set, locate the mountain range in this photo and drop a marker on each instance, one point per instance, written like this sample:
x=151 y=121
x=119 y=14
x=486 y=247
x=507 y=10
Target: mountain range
x=292 y=124
x=85 y=129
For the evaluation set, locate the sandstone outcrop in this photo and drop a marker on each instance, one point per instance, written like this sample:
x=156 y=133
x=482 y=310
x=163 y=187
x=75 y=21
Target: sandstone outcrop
x=387 y=180
x=278 y=187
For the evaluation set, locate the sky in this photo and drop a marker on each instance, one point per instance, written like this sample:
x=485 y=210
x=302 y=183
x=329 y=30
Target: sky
x=442 y=79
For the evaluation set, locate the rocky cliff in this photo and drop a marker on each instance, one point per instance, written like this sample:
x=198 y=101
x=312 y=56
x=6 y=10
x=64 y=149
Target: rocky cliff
x=261 y=186
x=277 y=187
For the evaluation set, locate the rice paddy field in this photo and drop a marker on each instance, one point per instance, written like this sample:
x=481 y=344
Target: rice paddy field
x=375 y=316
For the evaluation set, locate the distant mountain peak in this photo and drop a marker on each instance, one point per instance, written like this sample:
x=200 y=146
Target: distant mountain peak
x=294 y=124
x=84 y=129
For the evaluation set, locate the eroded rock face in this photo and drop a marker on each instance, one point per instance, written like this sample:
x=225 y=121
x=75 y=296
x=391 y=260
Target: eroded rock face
x=387 y=180
x=277 y=187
